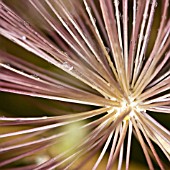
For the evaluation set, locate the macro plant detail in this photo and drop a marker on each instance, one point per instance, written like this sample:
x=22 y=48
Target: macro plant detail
x=99 y=54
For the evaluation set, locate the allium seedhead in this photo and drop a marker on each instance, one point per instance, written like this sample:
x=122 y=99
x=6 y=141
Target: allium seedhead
x=103 y=68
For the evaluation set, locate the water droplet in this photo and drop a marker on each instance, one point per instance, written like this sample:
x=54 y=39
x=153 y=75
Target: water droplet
x=24 y=37
x=67 y=66
x=35 y=76
x=107 y=49
x=89 y=8
x=25 y=23
x=65 y=54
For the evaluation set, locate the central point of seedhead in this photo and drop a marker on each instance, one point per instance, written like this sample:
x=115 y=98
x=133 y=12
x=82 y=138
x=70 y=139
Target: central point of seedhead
x=131 y=103
x=130 y=106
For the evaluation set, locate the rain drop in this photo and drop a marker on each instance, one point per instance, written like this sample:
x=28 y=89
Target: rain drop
x=35 y=76
x=65 y=54
x=107 y=49
x=89 y=8
x=67 y=66
x=24 y=37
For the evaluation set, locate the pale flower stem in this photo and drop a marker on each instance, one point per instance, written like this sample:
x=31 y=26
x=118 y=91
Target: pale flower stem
x=66 y=12
x=103 y=48
x=100 y=40
x=144 y=83
x=103 y=139
x=156 y=104
x=46 y=96
x=146 y=37
x=97 y=15
x=66 y=118
x=152 y=147
x=165 y=5
x=121 y=153
x=21 y=139
x=159 y=79
x=119 y=144
x=153 y=133
x=114 y=45
x=160 y=87
x=140 y=87
x=125 y=33
x=73 y=34
x=134 y=18
x=57 y=164
x=54 y=26
x=165 y=36
x=165 y=109
x=46 y=58
x=34 y=142
x=103 y=151
x=37 y=71
x=113 y=147
x=46 y=127
x=158 y=40
x=158 y=90
x=96 y=146
x=116 y=3
x=56 y=160
x=137 y=19
x=155 y=126
x=25 y=154
x=143 y=145
x=80 y=152
x=129 y=145
x=145 y=16
x=82 y=35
